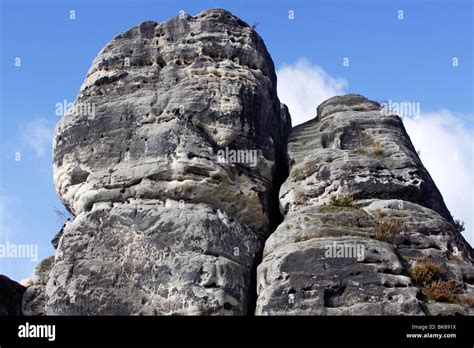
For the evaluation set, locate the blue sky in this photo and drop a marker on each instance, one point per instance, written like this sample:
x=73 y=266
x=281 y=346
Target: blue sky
x=409 y=59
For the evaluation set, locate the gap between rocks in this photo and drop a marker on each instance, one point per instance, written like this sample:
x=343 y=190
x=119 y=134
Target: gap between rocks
x=282 y=170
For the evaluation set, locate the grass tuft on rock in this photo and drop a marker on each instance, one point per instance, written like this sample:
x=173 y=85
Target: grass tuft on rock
x=425 y=271
x=342 y=201
x=467 y=300
x=389 y=229
x=377 y=150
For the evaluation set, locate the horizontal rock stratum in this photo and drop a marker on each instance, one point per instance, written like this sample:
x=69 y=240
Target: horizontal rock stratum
x=191 y=197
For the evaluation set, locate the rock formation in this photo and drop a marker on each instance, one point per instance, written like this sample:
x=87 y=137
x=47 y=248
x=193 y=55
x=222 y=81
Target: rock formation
x=168 y=160
x=173 y=161
x=10 y=296
x=362 y=219
x=34 y=298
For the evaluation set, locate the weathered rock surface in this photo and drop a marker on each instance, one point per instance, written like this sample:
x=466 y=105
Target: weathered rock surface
x=26 y=282
x=34 y=301
x=194 y=85
x=42 y=269
x=34 y=298
x=173 y=161
x=150 y=257
x=353 y=150
x=164 y=223
x=10 y=296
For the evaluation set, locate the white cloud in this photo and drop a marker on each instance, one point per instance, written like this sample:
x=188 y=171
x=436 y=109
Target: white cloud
x=447 y=150
x=38 y=134
x=303 y=86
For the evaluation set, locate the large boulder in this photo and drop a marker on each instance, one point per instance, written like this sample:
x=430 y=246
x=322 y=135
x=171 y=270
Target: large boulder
x=176 y=165
x=169 y=159
x=10 y=296
x=34 y=298
x=361 y=212
x=42 y=269
x=34 y=301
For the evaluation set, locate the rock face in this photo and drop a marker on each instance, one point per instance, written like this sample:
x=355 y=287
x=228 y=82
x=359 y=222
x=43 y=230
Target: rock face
x=34 y=298
x=41 y=272
x=170 y=159
x=34 y=301
x=173 y=161
x=10 y=296
x=362 y=219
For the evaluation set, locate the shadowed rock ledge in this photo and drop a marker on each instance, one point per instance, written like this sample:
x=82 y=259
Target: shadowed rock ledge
x=11 y=294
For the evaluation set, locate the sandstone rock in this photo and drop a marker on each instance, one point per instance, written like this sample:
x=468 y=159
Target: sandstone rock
x=176 y=164
x=354 y=179
x=10 y=296
x=26 y=282
x=438 y=308
x=34 y=301
x=195 y=85
x=41 y=271
x=57 y=237
x=352 y=147
x=166 y=222
x=147 y=257
x=300 y=278
x=34 y=298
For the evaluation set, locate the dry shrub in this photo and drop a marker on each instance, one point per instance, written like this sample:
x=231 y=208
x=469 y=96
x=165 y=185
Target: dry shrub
x=388 y=229
x=365 y=140
x=441 y=290
x=367 y=145
x=468 y=299
x=425 y=271
x=302 y=237
x=342 y=201
x=377 y=150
